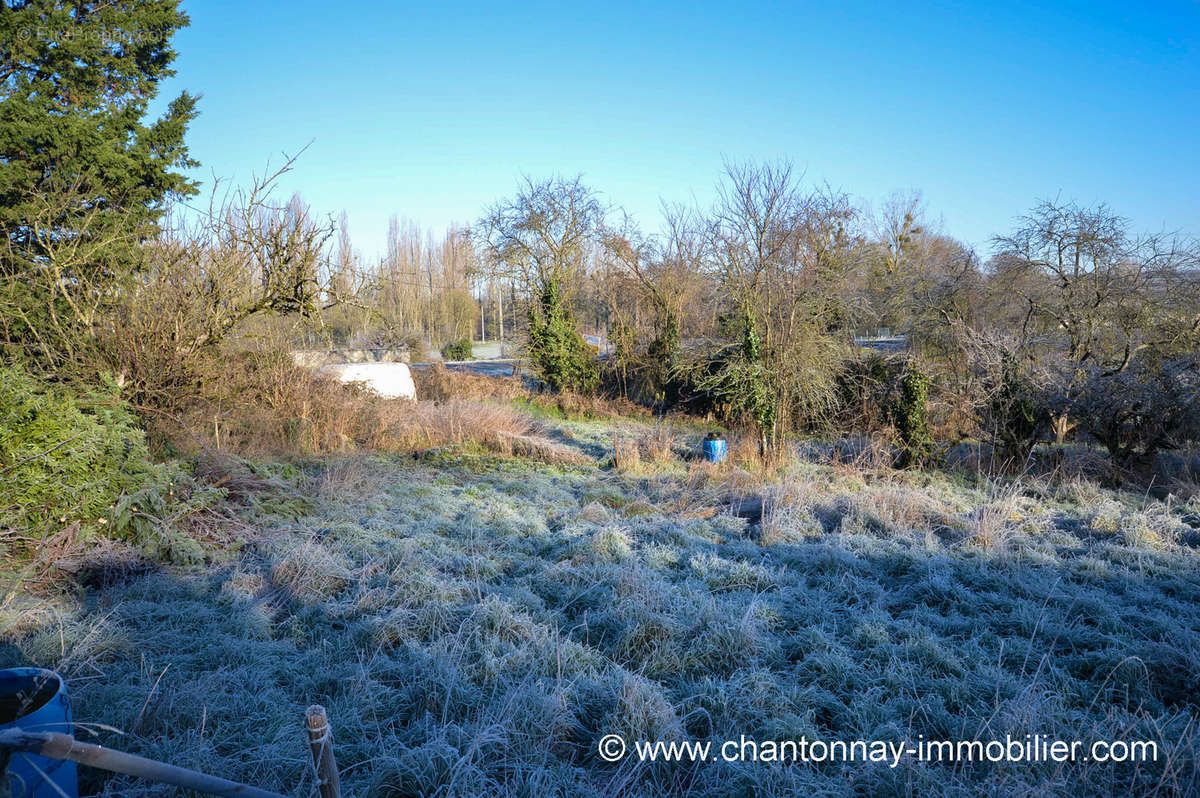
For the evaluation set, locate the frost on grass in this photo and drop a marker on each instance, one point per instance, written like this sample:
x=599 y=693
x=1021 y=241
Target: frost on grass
x=309 y=571
x=475 y=625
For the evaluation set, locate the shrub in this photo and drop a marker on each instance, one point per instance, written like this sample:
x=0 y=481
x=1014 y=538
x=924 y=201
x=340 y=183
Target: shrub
x=662 y=362
x=1148 y=408
x=1012 y=390
x=863 y=389
x=1012 y=413
x=65 y=458
x=389 y=337
x=261 y=402
x=264 y=404
x=457 y=350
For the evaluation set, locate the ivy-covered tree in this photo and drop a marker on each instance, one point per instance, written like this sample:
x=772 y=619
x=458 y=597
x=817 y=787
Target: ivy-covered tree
x=740 y=381
x=779 y=255
x=84 y=177
x=910 y=415
x=556 y=347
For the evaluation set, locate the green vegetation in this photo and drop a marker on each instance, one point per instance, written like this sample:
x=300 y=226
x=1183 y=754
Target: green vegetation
x=562 y=358
x=76 y=471
x=1013 y=414
x=911 y=415
x=63 y=460
x=457 y=350
x=83 y=179
x=741 y=380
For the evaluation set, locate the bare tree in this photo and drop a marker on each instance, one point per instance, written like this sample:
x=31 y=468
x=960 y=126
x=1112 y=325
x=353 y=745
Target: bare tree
x=542 y=235
x=543 y=239
x=206 y=275
x=1107 y=293
x=780 y=255
x=664 y=273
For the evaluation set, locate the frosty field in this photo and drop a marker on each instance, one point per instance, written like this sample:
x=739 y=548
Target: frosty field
x=475 y=624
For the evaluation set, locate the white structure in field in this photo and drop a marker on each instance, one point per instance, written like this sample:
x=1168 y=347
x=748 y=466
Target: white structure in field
x=389 y=380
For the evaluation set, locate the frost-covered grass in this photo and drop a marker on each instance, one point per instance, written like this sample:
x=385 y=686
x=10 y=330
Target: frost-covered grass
x=474 y=624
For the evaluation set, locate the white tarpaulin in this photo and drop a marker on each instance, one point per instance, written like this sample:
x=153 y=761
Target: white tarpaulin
x=389 y=380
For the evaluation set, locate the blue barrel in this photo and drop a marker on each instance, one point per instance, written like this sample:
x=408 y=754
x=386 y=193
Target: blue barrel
x=35 y=700
x=715 y=448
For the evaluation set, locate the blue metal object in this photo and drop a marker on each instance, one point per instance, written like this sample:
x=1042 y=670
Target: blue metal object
x=35 y=700
x=715 y=448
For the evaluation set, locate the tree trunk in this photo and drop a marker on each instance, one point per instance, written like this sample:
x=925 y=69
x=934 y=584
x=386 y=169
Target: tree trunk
x=1061 y=425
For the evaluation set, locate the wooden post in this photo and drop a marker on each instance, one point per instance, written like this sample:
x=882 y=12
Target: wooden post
x=320 y=741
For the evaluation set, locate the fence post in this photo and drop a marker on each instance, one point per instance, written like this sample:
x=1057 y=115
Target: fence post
x=320 y=741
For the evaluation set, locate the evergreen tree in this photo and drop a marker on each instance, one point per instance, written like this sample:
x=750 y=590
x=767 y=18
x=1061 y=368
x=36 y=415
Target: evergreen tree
x=83 y=178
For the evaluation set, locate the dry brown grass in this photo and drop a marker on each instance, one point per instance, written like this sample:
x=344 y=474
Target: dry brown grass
x=895 y=508
x=309 y=571
x=264 y=405
x=745 y=453
x=652 y=449
x=702 y=491
x=992 y=525
x=591 y=407
x=428 y=425
x=239 y=479
x=439 y=383
x=788 y=513
x=627 y=456
x=743 y=448
x=659 y=444
x=862 y=454
x=497 y=428
x=349 y=476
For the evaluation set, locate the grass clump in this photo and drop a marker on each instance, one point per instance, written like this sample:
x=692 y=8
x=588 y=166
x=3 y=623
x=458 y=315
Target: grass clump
x=308 y=571
x=611 y=543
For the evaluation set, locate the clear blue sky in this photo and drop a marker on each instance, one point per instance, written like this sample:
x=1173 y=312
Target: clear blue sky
x=434 y=110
